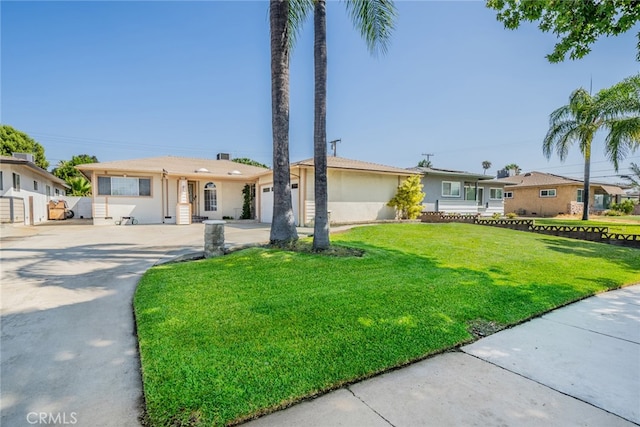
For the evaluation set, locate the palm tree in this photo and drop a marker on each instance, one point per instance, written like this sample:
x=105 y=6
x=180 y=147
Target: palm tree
x=80 y=186
x=512 y=166
x=616 y=109
x=486 y=165
x=283 y=228
x=374 y=19
x=634 y=177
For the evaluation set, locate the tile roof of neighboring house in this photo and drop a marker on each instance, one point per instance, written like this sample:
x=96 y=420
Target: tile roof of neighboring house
x=179 y=166
x=342 y=163
x=35 y=168
x=540 y=179
x=449 y=172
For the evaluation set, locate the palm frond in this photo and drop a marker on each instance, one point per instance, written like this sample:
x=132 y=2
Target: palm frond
x=298 y=12
x=623 y=138
x=560 y=136
x=375 y=19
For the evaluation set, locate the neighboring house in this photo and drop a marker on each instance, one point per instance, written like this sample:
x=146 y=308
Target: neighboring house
x=544 y=194
x=26 y=189
x=172 y=190
x=452 y=191
x=357 y=191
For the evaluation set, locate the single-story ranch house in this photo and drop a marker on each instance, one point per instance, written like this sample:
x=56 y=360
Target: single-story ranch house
x=176 y=190
x=452 y=191
x=26 y=189
x=545 y=194
x=357 y=191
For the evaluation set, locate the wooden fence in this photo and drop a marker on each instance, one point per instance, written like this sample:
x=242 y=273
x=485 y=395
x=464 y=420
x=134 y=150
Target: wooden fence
x=593 y=234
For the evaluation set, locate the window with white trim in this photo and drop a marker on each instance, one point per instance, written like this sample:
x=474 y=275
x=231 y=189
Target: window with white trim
x=124 y=186
x=551 y=192
x=580 y=195
x=48 y=190
x=1 y=181
x=210 y=197
x=450 y=189
x=508 y=194
x=495 y=193
x=35 y=185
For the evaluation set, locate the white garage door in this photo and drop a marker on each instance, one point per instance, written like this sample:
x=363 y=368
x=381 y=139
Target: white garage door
x=266 y=203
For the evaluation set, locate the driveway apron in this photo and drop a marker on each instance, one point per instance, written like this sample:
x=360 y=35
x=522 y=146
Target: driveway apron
x=69 y=351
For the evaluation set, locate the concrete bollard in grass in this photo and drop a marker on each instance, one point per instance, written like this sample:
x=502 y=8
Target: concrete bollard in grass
x=213 y=238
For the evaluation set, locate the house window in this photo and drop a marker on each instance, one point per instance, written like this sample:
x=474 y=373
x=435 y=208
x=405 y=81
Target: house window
x=35 y=185
x=48 y=190
x=469 y=192
x=123 y=186
x=16 y=182
x=548 y=193
x=495 y=193
x=508 y=194
x=580 y=195
x=450 y=189
x=210 y=197
x=1 y=181
x=57 y=191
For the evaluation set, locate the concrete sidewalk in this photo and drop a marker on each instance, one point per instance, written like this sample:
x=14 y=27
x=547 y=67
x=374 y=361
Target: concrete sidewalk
x=578 y=365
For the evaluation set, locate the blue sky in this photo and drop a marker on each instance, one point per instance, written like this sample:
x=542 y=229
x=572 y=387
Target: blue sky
x=123 y=80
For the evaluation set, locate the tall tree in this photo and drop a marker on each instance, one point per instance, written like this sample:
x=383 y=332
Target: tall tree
x=283 y=228
x=634 y=176
x=15 y=141
x=375 y=20
x=616 y=109
x=578 y=23
x=512 y=166
x=486 y=165
x=424 y=163
x=66 y=169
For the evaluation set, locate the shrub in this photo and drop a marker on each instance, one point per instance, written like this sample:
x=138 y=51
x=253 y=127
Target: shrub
x=625 y=207
x=496 y=215
x=408 y=199
x=511 y=215
x=613 y=212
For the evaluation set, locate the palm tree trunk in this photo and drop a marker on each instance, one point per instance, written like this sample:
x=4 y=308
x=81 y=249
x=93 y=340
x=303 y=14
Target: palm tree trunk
x=321 y=221
x=587 y=178
x=283 y=229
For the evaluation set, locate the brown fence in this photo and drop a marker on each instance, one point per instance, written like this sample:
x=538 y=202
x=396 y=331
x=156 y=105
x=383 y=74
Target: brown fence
x=593 y=234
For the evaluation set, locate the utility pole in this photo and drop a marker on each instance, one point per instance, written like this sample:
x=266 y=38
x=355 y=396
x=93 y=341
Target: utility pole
x=428 y=157
x=334 y=145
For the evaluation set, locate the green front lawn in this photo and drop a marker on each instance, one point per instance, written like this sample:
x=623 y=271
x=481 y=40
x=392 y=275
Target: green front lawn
x=628 y=224
x=228 y=338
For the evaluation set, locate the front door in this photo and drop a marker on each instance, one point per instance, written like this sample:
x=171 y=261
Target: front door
x=193 y=197
x=480 y=197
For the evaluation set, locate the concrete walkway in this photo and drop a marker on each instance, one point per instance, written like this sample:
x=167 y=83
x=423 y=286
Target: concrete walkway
x=69 y=352
x=576 y=366
x=68 y=348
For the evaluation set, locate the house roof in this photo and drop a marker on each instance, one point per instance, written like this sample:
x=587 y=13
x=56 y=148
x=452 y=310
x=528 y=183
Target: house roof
x=540 y=179
x=349 y=164
x=449 y=172
x=35 y=168
x=179 y=166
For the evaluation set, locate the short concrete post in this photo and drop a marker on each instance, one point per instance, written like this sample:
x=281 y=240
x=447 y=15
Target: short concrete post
x=213 y=238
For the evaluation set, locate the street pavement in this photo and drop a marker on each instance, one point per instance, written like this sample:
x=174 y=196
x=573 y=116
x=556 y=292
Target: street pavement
x=69 y=351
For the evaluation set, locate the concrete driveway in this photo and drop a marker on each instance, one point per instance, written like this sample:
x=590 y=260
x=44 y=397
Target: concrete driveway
x=69 y=351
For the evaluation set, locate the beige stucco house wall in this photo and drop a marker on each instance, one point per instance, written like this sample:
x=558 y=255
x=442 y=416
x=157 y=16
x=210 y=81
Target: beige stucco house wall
x=25 y=191
x=357 y=191
x=168 y=189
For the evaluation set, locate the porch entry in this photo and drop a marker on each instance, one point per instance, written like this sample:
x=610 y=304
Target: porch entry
x=193 y=197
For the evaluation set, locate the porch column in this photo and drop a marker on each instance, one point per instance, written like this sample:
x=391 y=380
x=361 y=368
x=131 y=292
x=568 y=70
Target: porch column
x=183 y=208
